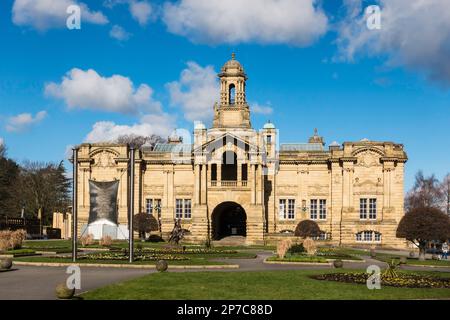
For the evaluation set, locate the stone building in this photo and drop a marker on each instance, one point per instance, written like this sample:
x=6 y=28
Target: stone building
x=234 y=180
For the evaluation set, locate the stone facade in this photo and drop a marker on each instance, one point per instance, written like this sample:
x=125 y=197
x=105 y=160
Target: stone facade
x=235 y=180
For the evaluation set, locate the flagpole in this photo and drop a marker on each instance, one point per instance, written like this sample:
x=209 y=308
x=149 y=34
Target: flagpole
x=131 y=205
x=74 y=204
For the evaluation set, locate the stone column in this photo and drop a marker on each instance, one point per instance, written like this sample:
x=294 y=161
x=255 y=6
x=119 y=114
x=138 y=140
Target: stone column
x=203 y=184
x=197 y=184
x=253 y=182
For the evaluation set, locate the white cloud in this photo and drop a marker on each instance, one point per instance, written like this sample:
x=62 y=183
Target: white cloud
x=414 y=34
x=107 y=131
x=257 y=108
x=195 y=92
x=294 y=22
x=88 y=90
x=141 y=11
x=119 y=33
x=23 y=121
x=45 y=14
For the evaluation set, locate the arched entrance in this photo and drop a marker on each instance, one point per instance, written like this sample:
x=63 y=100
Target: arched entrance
x=228 y=219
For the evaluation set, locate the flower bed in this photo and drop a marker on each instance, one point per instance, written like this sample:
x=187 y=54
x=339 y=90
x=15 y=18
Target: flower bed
x=299 y=258
x=402 y=280
x=177 y=251
x=121 y=256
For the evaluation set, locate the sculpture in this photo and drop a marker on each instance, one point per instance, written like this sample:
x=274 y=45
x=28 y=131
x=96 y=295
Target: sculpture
x=177 y=232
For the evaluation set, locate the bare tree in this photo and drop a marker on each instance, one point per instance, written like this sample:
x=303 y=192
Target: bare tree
x=445 y=187
x=139 y=141
x=426 y=192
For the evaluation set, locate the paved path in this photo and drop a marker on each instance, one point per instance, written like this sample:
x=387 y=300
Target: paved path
x=28 y=282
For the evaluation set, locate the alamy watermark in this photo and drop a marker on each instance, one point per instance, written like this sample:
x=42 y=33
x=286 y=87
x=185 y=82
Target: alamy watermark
x=73 y=21
x=74 y=280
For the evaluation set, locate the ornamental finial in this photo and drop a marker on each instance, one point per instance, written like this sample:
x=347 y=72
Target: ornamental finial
x=233 y=56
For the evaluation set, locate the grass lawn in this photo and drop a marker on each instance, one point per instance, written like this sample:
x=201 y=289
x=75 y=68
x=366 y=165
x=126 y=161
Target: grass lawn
x=272 y=285
x=299 y=258
x=413 y=261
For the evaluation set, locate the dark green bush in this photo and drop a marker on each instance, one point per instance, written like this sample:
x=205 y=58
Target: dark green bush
x=296 y=248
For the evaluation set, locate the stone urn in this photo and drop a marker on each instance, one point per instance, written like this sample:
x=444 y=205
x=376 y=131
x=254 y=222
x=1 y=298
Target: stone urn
x=338 y=263
x=161 y=266
x=62 y=292
x=6 y=263
x=403 y=260
x=412 y=254
x=373 y=253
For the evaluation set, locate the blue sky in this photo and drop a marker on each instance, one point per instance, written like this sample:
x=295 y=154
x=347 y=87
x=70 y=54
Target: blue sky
x=322 y=69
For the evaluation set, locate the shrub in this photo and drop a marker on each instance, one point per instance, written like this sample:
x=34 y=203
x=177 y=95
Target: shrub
x=87 y=240
x=297 y=248
x=307 y=228
x=12 y=239
x=155 y=238
x=310 y=246
x=105 y=241
x=283 y=247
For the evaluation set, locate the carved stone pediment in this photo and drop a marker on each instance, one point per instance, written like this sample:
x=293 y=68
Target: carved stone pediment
x=368 y=159
x=104 y=159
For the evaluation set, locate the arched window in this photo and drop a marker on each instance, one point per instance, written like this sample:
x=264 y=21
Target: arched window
x=232 y=93
x=368 y=236
x=229 y=166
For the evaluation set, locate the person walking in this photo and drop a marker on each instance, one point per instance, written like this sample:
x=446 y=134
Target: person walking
x=445 y=250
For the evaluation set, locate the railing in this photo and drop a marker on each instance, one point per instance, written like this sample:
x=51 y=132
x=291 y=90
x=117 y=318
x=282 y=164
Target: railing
x=228 y=183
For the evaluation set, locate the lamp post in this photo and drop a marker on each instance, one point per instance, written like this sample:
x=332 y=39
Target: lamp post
x=74 y=204
x=131 y=205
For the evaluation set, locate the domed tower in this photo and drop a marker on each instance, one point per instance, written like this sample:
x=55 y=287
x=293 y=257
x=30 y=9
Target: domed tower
x=233 y=111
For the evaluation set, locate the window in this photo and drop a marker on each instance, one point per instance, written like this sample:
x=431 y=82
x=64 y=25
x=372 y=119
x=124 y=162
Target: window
x=214 y=172
x=291 y=208
x=287 y=211
x=368 y=236
x=322 y=209
x=244 y=174
x=152 y=206
x=183 y=209
x=232 y=93
x=371 y=210
x=323 y=236
x=313 y=209
x=187 y=209
x=282 y=209
x=269 y=139
x=318 y=209
x=149 y=206
x=377 y=236
x=179 y=209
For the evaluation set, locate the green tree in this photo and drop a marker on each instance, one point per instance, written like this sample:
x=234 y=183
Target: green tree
x=9 y=177
x=46 y=188
x=422 y=225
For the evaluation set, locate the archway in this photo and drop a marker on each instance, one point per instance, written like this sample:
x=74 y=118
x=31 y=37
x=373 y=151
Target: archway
x=228 y=219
